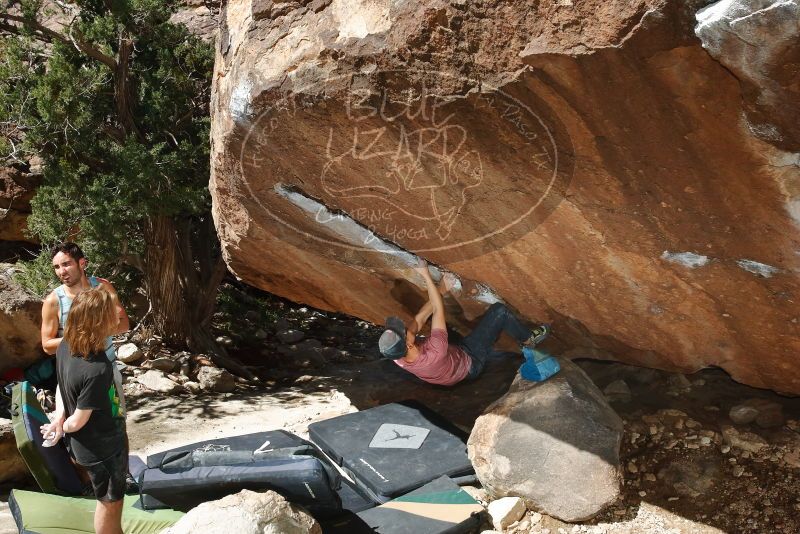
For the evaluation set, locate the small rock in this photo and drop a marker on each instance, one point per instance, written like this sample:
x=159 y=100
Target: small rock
x=650 y=477
x=742 y=414
x=290 y=336
x=770 y=416
x=252 y=316
x=617 y=391
x=691 y=423
x=536 y=517
x=200 y=359
x=738 y=471
x=129 y=353
x=215 y=379
x=746 y=441
x=672 y=412
x=260 y=334
x=163 y=363
x=193 y=387
x=156 y=381
x=505 y=511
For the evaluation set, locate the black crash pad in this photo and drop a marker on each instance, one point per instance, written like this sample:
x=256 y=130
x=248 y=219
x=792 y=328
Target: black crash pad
x=392 y=449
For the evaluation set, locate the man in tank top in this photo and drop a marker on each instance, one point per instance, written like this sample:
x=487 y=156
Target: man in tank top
x=69 y=265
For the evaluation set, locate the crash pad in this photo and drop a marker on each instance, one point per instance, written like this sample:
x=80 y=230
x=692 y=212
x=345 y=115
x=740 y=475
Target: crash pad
x=50 y=466
x=40 y=513
x=392 y=449
x=439 y=507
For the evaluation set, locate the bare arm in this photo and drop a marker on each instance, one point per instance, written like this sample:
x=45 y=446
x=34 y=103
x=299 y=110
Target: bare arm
x=50 y=324
x=77 y=420
x=434 y=297
x=55 y=430
x=421 y=317
x=425 y=312
x=124 y=323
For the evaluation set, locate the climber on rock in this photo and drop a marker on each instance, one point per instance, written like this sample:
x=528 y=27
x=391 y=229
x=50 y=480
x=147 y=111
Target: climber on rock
x=436 y=361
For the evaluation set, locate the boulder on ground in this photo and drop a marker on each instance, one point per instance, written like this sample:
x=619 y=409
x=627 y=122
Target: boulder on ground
x=157 y=381
x=129 y=353
x=12 y=466
x=554 y=443
x=162 y=363
x=215 y=379
x=765 y=413
x=247 y=512
x=20 y=323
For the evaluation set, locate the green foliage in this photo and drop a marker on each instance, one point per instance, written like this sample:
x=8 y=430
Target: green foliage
x=106 y=171
x=240 y=314
x=36 y=276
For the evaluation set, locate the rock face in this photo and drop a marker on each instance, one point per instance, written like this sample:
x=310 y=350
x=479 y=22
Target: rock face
x=16 y=190
x=555 y=444
x=589 y=163
x=20 y=323
x=247 y=512
x=759 y=41
x=200 y=17
x=12 y=466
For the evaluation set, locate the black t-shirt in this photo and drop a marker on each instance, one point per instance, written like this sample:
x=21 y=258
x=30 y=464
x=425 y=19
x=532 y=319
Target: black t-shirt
x=88 y=384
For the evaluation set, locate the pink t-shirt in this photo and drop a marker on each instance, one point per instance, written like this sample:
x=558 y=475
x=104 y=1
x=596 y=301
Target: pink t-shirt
x=438 y=362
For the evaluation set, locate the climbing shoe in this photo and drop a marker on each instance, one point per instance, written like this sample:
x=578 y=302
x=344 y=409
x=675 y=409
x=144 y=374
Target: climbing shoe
x=538 y=334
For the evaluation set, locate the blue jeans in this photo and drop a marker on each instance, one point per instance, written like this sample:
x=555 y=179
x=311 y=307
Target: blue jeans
x=478 y=344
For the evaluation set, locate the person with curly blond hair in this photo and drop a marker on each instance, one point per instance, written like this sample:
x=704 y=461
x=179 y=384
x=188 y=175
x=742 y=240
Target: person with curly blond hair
x=87 y=404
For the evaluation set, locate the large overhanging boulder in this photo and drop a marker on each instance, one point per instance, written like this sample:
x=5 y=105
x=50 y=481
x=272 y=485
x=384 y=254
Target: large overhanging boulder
x=759 y=41
x=589 y=163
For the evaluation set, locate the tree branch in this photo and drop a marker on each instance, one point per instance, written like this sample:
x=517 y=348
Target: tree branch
x=45 y=34
x=122 y=89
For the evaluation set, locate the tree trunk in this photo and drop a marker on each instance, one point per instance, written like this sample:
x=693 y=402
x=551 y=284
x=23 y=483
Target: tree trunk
x=182 y=282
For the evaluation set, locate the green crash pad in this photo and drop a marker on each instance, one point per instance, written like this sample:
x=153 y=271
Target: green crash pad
x=40 y=513
x=50 y=466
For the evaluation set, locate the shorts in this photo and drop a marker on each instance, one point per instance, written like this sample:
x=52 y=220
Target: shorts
x=109 y=477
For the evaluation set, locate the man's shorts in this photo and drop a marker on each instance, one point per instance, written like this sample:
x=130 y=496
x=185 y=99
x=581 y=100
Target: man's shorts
x=108 y=477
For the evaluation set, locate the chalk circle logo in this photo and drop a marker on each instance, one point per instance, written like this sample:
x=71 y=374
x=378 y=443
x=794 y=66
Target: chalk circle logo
x=441 y=167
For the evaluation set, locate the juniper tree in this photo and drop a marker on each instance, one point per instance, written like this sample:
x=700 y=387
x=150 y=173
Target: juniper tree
x=115 y=100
